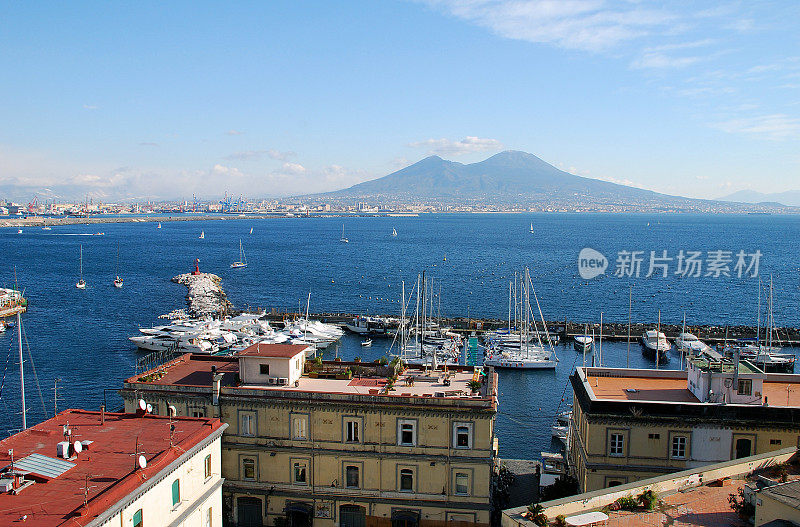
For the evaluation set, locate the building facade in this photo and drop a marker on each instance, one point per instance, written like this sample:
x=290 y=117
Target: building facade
x=631 y=424
x=338 y=443
x=100 y=469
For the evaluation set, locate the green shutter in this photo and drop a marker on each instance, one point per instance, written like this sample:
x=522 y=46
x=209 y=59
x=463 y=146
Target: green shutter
x=176 y=492
x=137 y=518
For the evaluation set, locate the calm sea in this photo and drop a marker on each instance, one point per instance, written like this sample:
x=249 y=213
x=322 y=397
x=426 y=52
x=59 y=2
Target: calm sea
x=80 y=337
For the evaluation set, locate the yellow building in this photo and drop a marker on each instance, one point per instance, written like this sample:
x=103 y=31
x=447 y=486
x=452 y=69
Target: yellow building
x=632 y=424
x=343 y=444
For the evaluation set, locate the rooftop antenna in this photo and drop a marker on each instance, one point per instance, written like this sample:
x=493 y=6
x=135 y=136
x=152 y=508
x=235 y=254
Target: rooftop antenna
x=138 y=457
x=86 y=488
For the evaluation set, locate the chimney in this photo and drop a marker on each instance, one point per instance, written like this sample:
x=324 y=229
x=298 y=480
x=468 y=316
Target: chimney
x=215 y=387
x=102 y=414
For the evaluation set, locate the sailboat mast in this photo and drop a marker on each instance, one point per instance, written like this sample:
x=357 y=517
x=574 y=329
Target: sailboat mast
x=600 y=344
x=403 y=319
x=21 y=372
x=658 y=338
x=758 y=317
x=771 y=320
x=630 y=305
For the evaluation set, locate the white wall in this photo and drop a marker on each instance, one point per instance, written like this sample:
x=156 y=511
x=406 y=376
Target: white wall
x=292 y=369
x=156 y=503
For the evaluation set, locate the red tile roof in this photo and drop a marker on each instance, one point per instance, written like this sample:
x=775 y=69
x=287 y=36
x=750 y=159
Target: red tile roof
x=107 y=462
x=273 y=350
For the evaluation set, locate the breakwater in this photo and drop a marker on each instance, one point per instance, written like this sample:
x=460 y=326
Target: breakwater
x=567 y=329
x=204 y=296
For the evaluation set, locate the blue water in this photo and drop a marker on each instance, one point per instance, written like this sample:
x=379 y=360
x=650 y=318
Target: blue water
x=80 y=337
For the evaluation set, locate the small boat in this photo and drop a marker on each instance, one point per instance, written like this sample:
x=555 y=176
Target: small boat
x=445 y=257
x=46 y=228
x=159 y=225
x=367 y=343
x=19 y=231
x=81 y=283
x=242 y=258
x=531 y=228
x=394 y=232
x=117 y=279
x=583 y=343
x=2 y=327
x=202 y=235
x=251 y=230
x=655 y=345
x=343 y=239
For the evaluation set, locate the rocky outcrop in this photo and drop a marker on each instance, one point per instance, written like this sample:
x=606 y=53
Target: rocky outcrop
x=204 y=296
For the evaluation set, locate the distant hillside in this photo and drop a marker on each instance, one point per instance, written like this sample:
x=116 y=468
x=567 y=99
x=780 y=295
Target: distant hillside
x=512 y=177
x=790 y=197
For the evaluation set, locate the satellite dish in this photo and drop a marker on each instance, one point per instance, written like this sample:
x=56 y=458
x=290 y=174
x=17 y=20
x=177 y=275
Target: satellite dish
x=142 y=405
x=172 y=410
x=149 y=408
x=142 y=461
x=78 y=447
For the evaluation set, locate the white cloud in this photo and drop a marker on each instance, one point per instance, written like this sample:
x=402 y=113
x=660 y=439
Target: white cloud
x=468 y=145
x=234 y=132
x=89 y=107
x=665 y=56
x=774 y=127
x=590 y=25
x=294 y=169
x=258 y=154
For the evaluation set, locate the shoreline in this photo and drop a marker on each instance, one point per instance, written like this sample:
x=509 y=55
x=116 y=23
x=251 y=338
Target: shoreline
x=56 y=221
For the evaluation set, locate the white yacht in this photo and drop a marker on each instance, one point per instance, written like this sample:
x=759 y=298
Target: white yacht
x=689 y=342
x=655 y=342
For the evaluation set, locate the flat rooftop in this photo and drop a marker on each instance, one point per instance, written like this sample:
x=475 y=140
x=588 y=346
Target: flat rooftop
x=725 y=366
x=108 y=463
x=196 y=371
x=271 y=351
x=671 y=386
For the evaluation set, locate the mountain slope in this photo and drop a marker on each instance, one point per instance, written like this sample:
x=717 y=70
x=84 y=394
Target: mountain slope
x=509 y=175
x=789 y=197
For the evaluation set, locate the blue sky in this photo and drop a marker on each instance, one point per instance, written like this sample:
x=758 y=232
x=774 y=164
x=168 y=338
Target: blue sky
x=276 y=98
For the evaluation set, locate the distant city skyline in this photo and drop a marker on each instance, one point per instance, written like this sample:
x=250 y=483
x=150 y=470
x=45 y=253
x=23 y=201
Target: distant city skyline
x=280 y=99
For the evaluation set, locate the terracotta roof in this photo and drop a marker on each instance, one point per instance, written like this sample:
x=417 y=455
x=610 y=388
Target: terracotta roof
x=273 y=350
x=107 y=462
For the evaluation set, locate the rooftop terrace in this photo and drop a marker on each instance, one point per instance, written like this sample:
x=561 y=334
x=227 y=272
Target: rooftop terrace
x=670 y=386
x=329 y=378
x=107 y=465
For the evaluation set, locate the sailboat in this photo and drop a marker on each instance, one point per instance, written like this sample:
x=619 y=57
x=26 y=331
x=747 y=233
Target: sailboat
x=117 y=279
x=343 y=239
x=531 y=228
x=394 y=232
x=251 y=230
x=242 y=258
x=202 y=235
x=159 y=225
x=81 y=283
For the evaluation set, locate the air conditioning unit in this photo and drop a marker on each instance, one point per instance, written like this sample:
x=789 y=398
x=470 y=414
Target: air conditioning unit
x=283 y=381
x=272 y=380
